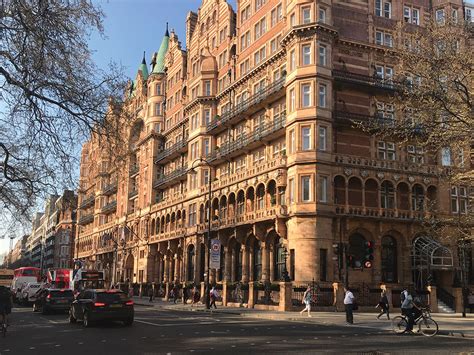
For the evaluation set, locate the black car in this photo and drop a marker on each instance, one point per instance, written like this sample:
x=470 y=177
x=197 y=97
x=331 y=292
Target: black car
x=97 y=305
x=51 y=299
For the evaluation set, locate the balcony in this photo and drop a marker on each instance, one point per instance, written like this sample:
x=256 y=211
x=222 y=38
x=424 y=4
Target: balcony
x=246 y=107
x=110 y=189
x=172 y=152
x=134 y=169
x=248 y=140
x=86 y=219
x=133 y=193
x=377 y=213
x=368 y=81
x=87 y=201
x=168 y=179
x=109 y=208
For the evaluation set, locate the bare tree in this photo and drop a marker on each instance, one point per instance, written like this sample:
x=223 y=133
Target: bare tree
x=434 y=83
x=52 y=97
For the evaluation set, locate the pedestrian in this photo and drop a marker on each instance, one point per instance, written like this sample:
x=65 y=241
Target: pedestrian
x=196 y=296
x=213 y=295
x=383 y=304
x=175 y=293
x=130 y=292
x=151 y=292
x=407 y=309
x=307 y=301
x=185 y=294
x=349 y=300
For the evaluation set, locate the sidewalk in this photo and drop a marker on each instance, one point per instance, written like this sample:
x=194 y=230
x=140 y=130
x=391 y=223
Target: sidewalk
x=449 y=324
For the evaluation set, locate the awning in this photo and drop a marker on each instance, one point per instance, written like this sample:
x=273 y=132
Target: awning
x=428 y=253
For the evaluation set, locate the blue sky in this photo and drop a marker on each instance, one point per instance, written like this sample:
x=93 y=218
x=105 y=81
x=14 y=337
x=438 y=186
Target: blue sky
x=131 y=27
x=134 y=26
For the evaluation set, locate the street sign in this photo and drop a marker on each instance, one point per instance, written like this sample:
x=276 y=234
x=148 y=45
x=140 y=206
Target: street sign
x=215 y=254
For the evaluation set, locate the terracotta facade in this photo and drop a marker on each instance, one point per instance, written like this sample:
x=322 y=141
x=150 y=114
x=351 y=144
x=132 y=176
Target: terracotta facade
x=267 y=94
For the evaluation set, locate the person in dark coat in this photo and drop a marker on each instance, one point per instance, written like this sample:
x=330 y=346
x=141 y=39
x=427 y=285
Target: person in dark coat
x=383 y=304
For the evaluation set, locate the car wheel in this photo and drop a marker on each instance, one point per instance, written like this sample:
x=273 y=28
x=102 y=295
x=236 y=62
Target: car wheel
x=72 y=320
x=128 y=322
x=86 y=321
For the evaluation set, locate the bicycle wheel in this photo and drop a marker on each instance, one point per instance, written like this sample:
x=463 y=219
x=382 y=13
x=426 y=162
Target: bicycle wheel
x=428 y=327
x=399 y=324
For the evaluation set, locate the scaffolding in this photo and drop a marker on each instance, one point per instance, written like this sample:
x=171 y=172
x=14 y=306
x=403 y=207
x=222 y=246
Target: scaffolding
x=427 y=255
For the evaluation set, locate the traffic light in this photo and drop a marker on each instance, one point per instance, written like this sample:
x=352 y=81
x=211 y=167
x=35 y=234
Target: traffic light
x=338 y=254
x=336 y=248
x=369 y=254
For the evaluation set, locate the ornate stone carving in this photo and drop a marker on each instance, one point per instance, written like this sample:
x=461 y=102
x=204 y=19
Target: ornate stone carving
x=348 y=171
x=364 y=173
x=411 y=179
x=380 y=175
x=426 y=180
x=396 y=177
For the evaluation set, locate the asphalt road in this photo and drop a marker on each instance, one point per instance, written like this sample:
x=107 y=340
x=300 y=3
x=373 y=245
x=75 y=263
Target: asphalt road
x=159 y=331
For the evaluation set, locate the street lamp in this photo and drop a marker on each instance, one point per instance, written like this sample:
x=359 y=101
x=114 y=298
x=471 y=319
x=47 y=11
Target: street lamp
x=285 y=276
x=192 y=171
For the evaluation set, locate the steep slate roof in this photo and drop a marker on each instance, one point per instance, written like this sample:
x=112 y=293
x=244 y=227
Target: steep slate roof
x=144 y=68
x=160 y=57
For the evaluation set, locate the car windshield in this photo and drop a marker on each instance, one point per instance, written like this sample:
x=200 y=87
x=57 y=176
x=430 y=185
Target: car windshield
x=65 y=293
x=109 y=297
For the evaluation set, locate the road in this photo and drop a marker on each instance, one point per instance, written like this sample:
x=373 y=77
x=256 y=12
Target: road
x=160 y=331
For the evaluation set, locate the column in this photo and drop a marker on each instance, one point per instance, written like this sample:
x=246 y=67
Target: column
x=176 y=268
x=272 y=263
x=233 y=272
x=245 y=264
x=227 y=263
x=197 y=264
x=166 y=265
x=265 y=264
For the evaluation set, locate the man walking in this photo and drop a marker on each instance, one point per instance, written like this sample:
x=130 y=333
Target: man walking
x=348 y=305
x=383 y=304
x=213 y=295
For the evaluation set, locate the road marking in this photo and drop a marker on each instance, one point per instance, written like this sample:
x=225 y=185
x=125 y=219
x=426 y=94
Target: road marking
x=233 y=346
x=80 y=343
x=32 y=348
x=173 y=324
x=315 y=338
x=57 y=345
x=252 y=344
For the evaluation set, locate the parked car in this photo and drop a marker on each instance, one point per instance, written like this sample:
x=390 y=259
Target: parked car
x=53 y=300
x=29 y=292
x=91 y=306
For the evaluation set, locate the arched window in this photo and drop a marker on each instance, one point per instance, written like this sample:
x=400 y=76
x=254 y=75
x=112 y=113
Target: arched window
x=387 y=195
x=339 y=190
x=355 y=192
x=240 y=203
x=257 y=261
x=417 y=198
x=356 y=252
x=371 y=195
x=403 y=196
x=238 y=261
x=202 y=262
x=260 y=197
x=279 y=261
x=389 y=259
x=191 y=254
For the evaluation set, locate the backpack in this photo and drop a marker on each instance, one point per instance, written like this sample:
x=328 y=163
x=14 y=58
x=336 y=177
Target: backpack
x=5 y=294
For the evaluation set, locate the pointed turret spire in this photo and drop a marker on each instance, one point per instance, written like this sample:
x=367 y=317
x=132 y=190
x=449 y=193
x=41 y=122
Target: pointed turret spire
x=143 y=67
x=160 y=57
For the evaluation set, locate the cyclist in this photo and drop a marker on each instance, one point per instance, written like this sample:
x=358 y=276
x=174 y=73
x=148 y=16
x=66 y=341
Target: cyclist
x=5 y=303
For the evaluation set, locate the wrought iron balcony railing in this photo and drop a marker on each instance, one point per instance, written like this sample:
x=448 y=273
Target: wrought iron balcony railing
x=110 y=189
x=172 y=151
x=372 y=81
x=246 y=104
x=134 y=169
x=248 y=138
x=88 y=201
x=86 y=219
x=167 y=178
x=133 y=193
x=110 y=207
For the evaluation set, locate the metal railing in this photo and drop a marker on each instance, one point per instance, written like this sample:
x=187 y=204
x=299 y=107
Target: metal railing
x=134 y=169
x=86 y=219
x=110 y=207
x=175 y=148
x=445 y=297
x=110 y=189
x=245 y=139
x=88 y=201
x=372 y=81
x=246 y=104
x=163 y=179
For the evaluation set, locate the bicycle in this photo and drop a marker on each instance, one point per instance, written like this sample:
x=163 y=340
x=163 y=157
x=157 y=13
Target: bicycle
x=426 y=325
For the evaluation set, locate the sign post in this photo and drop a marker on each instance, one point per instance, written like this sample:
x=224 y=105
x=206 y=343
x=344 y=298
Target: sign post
x=215 y=254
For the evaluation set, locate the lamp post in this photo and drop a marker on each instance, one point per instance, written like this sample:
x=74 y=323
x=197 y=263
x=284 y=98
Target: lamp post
x=285 y=276
x=207 y=288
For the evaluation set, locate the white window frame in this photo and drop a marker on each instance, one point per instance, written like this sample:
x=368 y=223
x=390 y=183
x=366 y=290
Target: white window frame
x=306 y=54
x=322 y=95
x=322 y=55
x=322 y=138
x=306 y=138
x=306 y=95
x=305 y=181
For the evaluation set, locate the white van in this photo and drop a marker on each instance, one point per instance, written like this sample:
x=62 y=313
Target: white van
x=28 y=293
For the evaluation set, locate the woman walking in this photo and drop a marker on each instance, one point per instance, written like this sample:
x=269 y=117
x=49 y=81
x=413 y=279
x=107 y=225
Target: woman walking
x=383 y=304
x=307 y=301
